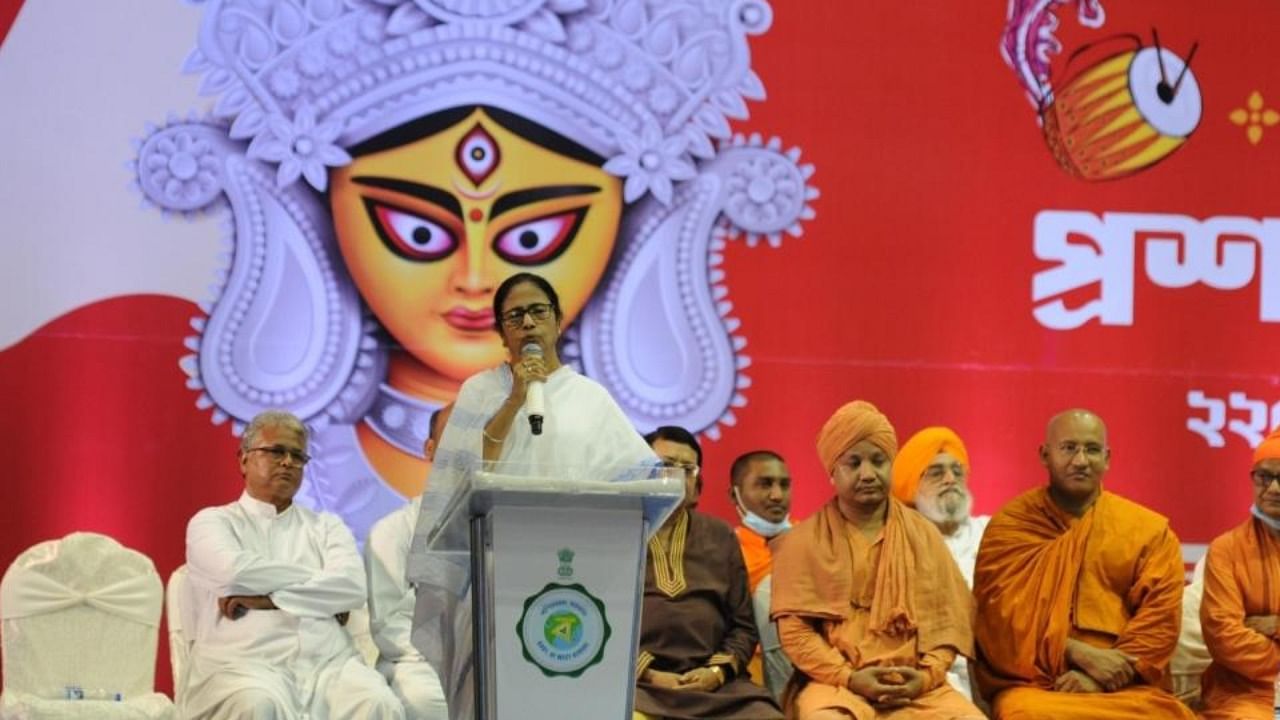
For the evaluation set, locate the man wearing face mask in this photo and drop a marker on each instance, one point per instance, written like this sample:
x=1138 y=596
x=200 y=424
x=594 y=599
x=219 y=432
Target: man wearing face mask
x=760 y=488
x=697 y=631
x=1240 y=609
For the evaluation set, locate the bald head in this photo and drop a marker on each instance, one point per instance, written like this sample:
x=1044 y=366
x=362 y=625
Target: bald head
x=1067 y=417
x=1076 y=454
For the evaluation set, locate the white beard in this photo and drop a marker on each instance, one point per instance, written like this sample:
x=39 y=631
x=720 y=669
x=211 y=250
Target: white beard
x=949 y=507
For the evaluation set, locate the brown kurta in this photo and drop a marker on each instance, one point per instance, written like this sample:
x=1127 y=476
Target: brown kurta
x=696 y=613
x=844 y=602
x=1112 y=578
x=1241 y=578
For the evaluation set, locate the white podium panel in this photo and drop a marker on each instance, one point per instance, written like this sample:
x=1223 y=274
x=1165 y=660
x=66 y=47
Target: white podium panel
x=564 y=611
x=556 y=566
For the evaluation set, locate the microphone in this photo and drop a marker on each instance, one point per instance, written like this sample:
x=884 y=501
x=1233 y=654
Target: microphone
x=534 y=403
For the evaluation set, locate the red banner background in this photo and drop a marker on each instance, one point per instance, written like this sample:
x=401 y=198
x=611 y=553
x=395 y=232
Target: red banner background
x=912 y=288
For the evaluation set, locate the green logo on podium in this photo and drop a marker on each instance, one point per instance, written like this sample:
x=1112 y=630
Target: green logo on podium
x=563 y=630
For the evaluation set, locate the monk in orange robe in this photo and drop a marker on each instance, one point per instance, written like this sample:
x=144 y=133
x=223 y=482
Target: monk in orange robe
x=1241 y=602
x=870 y=607
x=1079 y=594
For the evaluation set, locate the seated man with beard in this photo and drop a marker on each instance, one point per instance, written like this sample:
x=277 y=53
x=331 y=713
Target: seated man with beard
x=931 y=474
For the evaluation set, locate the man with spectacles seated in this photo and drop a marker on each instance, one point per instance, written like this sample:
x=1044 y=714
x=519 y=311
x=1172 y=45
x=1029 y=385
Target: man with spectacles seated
x=1079 y=593
x=270 y=586
x=931 y=474
x=1240 y=609
x=697 y=627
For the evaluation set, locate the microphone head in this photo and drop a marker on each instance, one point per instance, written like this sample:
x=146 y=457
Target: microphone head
x=531 y=348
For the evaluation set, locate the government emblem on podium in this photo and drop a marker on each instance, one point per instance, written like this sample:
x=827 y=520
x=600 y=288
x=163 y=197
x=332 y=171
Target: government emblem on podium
x=563 y=629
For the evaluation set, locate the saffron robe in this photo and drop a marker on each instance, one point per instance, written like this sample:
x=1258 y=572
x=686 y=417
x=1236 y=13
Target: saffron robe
x=844 y=603
x=697 y=612
x=297 y=658
x=1112 y=578
x=1241 y=578
x=756 y=555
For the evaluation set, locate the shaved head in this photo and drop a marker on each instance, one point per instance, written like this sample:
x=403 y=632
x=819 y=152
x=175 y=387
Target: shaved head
x=1057 y=422
x=1076 y=454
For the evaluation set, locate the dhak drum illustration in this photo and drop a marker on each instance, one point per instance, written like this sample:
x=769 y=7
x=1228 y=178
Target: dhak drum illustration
x=1123 y=113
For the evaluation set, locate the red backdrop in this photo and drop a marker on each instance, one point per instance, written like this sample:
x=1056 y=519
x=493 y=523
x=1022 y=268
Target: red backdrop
x=912 y=288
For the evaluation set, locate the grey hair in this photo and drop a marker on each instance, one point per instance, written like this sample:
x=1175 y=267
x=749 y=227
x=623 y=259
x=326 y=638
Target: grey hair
x=272 y=418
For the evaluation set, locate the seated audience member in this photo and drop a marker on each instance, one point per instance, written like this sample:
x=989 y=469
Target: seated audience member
x=760 y=488
x=1079 y=593
x=696 y=629
x=391 y=602
x=270 y=586
x=870 y=606
x=931 y=474
x=1240 y=610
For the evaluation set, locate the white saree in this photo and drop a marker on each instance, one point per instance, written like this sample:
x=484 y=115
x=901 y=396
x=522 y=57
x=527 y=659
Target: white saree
x=584 y=430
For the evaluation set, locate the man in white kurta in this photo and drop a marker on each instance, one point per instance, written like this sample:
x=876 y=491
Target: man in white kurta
x=585 y=432
x=391 y=601
x=270 y=585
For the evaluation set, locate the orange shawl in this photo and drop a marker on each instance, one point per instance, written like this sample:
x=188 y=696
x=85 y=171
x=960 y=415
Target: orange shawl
x=917 y=586
x=1241 y=578
x=1043 y=576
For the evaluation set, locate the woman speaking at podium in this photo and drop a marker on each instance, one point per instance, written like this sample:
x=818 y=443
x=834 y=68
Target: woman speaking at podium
x=533 y=415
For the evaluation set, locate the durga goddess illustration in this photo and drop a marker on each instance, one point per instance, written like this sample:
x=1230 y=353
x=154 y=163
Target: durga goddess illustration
x=384 y=164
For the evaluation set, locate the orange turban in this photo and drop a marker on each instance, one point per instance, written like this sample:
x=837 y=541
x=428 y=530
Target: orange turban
x=1269 y=449
x=850 y=425
x=918 y=454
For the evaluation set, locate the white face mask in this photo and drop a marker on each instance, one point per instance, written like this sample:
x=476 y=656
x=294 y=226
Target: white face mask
x=1269 y=521
x=759 y=525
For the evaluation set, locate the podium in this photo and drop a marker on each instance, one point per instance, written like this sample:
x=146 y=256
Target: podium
x=557 y=573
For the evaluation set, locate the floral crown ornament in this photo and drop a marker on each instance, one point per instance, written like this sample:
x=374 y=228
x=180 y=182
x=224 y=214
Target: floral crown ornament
x=648 y=85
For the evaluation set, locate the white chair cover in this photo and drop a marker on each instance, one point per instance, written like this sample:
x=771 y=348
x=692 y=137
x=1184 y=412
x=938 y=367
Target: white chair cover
x=82 y=611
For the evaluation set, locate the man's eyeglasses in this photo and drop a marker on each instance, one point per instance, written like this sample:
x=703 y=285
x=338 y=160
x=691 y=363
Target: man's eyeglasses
x=1263 y=479
x=1091 y=451
x=514 y=317
x=689 y=469
x=936 y=473
x=279 y=452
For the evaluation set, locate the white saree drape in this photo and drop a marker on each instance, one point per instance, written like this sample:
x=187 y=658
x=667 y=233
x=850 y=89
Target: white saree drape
x=585 y=434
